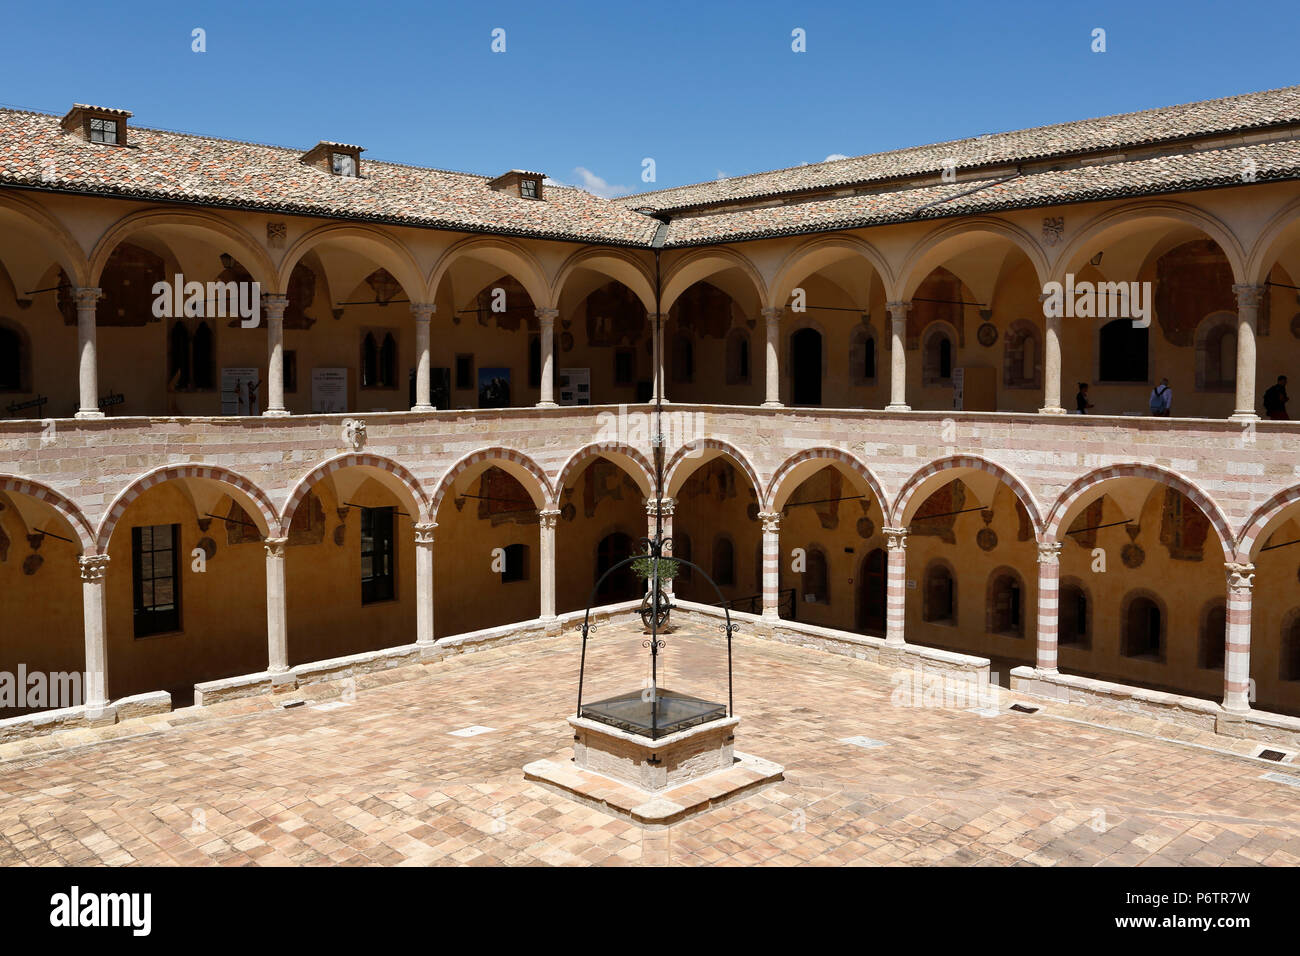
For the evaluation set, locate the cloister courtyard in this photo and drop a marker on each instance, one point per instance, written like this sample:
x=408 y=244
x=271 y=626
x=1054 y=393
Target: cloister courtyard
x=371 y=771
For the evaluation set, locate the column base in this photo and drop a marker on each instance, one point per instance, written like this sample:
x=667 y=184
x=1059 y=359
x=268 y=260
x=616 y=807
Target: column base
x=85 y=415
x=1232 y=708
x=276 y=413
x=547 y=405
x=772 y=405
x=895 y=641
x=422 y=408
x=898 y=408
x=1243 y=416
x=1051 y=410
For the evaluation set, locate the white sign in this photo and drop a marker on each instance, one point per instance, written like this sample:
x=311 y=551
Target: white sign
x=239 y=391
x=329 y=390
x=575 y=386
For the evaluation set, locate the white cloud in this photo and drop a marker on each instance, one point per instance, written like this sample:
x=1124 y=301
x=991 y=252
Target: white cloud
x=599 y=187
x=834 y=156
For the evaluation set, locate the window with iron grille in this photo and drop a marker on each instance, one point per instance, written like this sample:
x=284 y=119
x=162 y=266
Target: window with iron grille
x=378 y=555
x=103 y=131
x=156 y=582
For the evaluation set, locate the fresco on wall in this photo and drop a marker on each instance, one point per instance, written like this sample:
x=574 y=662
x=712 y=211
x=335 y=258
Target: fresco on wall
x=935 y=518
x=615 y=316
x=939 y=285
x=703 y=310
x=1192 y=281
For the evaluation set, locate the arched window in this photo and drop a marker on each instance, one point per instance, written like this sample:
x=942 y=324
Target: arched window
x=12 y=360
x=1021 y=361
x=1288 y=658
x=1122 y=352
x=862 y=356
x=1005 y=612
x=738 y=357
x=724 y=562
x=1210 y=643
x=178 y=355
x=871 y=593
x=683 y=359
x=1143 y=629
x=203 y=363
x=1216 y=353
x=806 y=367
x=1073 y=622
x=369 y=361
x=388 y=362
x=816 y=578
x=939 y=603
x=937 y=356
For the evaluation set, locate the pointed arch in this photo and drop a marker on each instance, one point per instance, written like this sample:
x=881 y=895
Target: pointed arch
x=522 y=468
x=925 y=478
x=689 y=457
x=626 y=457
x=392 y=475
x=370 y=241
x=250 y=497
x=1085 y=483
x=59 y=502
x=510 y=257
x=798 y=467
x=249 y=253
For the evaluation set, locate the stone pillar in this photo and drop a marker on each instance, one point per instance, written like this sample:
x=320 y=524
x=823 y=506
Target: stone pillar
x=547 y=525
x=546 y=335
x=423 y=312
x=87 y=361
x=1051 y=365
x=95 y=615
x=771 y=563
x=772 y=357
x=895 y=584
x=424 y=582
x=1236 y=656
x=898 y=357
x=1049 y=604
x=274 y=306
x=657 y=357
x=653 y=508
x=1248 y=299
x=277 y=620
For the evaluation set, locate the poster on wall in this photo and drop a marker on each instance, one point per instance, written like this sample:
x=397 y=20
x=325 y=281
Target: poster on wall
x=329 y=390
x=575 y=386
x=240 y=388
x=494 y=388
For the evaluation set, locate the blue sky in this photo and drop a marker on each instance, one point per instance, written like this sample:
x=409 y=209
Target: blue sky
x=589 y=90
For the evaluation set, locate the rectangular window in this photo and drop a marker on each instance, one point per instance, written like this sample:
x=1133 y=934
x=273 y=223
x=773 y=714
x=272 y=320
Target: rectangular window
x=464 y=371
x=528 y=188
x=624 y=366
x=290 y=371
x=345 y=164
x=516 y=566
x=155 y=572
x=378 y=555
x=103 y=131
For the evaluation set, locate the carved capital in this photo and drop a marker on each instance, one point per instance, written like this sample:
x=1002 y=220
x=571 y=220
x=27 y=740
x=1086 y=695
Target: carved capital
x=86 y=297
x=1248 y=297
x=275 y=547
x=1049 y=552
x=898 y=310
x=423 y=310
x=771 y=521
x=424 y=532
x=546 y=518
x=546 y=316
x=895 y=539
x=93 y=567
x=772 y=313
x=274 y=306
x=660 y=506
x=1241 y=577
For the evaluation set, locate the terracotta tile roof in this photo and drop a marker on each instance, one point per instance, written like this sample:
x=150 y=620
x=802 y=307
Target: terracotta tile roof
x=166 y=166
x=1250 y=111
x=1153 y=176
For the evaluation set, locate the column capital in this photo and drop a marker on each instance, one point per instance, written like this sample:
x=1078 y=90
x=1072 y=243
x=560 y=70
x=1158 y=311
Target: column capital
x=771 y=521
x=657 y=506
x=423 y=310
x=899 y=309
x=275 y=547
x=895 y=539
x=1049 y=552
x=424 y=531
x=1241 y=577
x=772 y=312
x=546 y=315
x=546 y=517
x=87 y=296
x=93 y=567
x=274 y=305
x=1248 y=296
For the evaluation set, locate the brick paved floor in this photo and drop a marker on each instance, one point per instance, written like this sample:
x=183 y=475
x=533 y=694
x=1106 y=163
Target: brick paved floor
x=382 y=780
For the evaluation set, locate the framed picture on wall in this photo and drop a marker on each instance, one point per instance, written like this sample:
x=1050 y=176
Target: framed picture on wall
x=494 y=388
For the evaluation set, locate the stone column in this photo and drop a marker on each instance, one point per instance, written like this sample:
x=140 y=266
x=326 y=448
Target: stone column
x=1049 y=604
x=274 y=306
x=87 y=361
x=898 y=357
x=95 y=615
x=657 y=348
x=1236 y=656
x=1051 y=365
x=771 y=563
x=546 y=523
x=1248 y=299
x=424 y=582
x=772 y=356
x=423 y=312
x=277 y=620
x=895 y=584
x=546 y=335
x=653 y=508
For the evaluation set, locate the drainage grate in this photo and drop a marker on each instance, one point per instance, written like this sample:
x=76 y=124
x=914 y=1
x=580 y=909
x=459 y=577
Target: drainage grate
x=863 y=742
x=471 y=731
x=1271 y=755
x=1285 y=778
x=288 y=704
x=1022 y=709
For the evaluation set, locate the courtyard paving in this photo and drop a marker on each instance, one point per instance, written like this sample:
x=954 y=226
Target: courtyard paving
x=382 y=778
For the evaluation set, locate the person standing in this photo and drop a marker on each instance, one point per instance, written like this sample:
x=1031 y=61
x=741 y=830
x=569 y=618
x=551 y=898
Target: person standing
x=1162 y=399
x=1275 y=399
x=1081 y=402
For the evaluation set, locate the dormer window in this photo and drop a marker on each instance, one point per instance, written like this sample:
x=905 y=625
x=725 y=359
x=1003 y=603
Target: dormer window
x=345 y=164
x=103 y=131
x=338 y=159
x=527 y=189
x=519 y=183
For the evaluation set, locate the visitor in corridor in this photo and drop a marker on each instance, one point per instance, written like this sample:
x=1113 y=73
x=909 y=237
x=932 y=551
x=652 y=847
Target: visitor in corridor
x=1275 y=399
x=1081 y=402
x=1162 y=397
